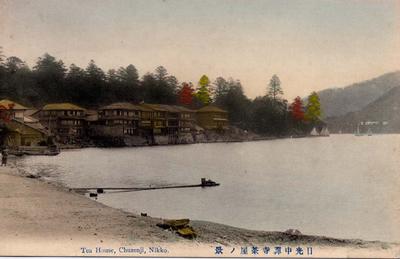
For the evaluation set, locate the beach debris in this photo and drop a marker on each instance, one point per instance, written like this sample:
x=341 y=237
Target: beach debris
x=100 y=190
x=293 y=232
x=143 y=214
x=92 y=194
x=33 y=176
x=181 y=226
x=187 y=232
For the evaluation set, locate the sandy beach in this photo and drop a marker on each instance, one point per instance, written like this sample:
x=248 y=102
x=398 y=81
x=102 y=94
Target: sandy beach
x=40 y=218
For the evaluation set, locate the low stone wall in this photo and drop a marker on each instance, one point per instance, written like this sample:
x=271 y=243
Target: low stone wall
x=133 y=141
x=185 y=138
x=161 y=140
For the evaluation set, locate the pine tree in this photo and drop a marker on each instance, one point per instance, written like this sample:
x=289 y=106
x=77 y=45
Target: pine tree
x=274 y=87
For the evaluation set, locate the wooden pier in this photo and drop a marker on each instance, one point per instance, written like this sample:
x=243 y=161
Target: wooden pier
x=204 y=183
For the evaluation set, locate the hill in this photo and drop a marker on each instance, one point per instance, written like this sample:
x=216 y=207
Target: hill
x=380 y=116
x=340 y=101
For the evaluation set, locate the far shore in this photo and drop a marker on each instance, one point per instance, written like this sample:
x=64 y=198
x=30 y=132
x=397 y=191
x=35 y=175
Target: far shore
x=41 y=218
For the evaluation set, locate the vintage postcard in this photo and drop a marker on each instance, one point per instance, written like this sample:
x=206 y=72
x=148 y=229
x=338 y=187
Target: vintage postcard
x=201 y=128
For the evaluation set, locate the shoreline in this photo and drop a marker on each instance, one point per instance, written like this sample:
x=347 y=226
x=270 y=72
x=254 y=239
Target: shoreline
x=42 y=218
x=267 y=138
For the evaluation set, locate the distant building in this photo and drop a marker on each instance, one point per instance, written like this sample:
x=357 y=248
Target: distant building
x=18 y=128
x=65 y=121
x=119 y=119
x=212 y=118
x=158 y=118
x=171 y=119
x=187 y=119
x=23 y=134
x=16 y=110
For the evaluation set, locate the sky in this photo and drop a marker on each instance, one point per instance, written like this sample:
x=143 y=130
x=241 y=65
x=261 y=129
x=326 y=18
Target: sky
x=310 y=44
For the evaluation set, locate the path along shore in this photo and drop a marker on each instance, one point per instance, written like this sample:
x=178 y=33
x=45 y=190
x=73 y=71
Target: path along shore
x=39 y=218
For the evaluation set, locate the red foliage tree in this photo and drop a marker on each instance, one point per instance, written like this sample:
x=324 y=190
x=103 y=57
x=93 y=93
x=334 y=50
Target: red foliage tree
x=297 y=109
x=6 y=113
x=186 y=94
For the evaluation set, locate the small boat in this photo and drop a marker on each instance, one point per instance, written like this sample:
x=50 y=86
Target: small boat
x=357 y=133
x=176 y=223
x=208 y=182
x=314 y=132
x=324 y=132
x=187 y=232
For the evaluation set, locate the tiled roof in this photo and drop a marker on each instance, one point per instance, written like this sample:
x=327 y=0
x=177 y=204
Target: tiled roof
x=155 y=107
x=36 y=126
x=120 y=106
x=6 y=103
x=62 y=106
x=183 y=109
x=166 y=107
x=211 y=108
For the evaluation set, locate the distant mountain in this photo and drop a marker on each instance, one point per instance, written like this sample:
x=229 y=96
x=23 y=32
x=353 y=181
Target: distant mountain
x=340 y=101
x=380 y=116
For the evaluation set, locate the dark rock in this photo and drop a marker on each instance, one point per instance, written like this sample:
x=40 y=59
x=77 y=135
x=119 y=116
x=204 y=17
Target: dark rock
x=293 y=232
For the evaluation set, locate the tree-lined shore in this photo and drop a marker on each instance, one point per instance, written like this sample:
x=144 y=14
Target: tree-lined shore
x=51 y=81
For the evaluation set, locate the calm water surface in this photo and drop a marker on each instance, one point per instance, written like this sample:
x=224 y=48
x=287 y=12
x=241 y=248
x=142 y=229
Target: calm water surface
x=342 y=186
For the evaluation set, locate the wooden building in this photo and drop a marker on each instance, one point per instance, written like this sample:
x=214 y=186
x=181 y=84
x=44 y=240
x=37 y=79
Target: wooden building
x=212 y=118
x=19 y=129
x=119 y=119
x=146 y=121
x=20 y=134
x=172 y=119
x=65 y=121
x=14 y=110
x=158 y=118
x=187 y=119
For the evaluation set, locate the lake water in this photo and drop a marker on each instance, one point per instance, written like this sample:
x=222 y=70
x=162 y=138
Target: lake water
x=341 y=186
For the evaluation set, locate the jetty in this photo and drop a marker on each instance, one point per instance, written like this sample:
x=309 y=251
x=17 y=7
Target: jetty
x=204 y=183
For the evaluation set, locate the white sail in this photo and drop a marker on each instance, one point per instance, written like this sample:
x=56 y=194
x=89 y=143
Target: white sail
x=358 y=131
x=324 y=132
x=314 y=132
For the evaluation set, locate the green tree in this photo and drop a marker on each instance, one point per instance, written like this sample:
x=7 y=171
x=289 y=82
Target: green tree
x=1 y=55
x=123 y=84
x=268 y=117
x=230 y=96
x=274 y=87
x=75 y=84
x=50 y=74
x=160 y=87
x=313 y=108
x=13 y=64
x=203 y=92
x=94 y=92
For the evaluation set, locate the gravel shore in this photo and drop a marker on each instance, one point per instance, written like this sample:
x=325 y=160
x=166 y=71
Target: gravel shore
x=39 y=218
